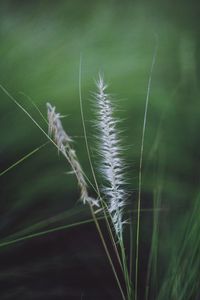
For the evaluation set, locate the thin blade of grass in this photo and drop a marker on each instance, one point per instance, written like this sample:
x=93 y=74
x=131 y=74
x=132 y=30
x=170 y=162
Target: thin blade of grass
x=140 y=170
x=36 y=107
x=42 y=233
x=23 y=159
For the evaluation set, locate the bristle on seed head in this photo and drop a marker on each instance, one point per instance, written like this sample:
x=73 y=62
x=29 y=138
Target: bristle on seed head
x=63 y=142
x=112 y=166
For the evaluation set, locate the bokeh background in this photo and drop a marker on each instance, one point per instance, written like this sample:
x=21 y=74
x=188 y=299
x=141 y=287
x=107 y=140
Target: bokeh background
x=40 y=45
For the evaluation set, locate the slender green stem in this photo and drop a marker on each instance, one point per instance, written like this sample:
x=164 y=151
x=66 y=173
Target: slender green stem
x=36 y=107
x=140 y=174
x=154 y=242
x=125 y=268
x=111 y=234
x=23 y=158
x=107 y=252
x=41 y=233
x=131 y=248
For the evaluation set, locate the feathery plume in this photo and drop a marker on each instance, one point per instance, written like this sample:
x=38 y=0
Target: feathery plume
x=110 y=151
x=63 y=142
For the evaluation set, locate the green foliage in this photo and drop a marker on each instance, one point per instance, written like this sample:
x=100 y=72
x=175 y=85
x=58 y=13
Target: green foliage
x=49 y=248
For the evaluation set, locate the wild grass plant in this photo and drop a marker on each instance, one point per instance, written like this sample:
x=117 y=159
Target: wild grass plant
x=50 y=247
x=109 y=203
x=113 y=199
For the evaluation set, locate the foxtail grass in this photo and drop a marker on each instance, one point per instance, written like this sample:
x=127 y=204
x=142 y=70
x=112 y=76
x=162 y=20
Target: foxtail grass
x=181 y=280
x=63 y=142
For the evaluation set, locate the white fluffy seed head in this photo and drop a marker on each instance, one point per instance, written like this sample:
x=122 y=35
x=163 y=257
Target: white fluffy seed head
x=112 y=165
x=63 y=142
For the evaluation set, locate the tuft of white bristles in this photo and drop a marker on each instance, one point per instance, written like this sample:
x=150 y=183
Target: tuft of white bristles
x=63 y=142
x=112 y=166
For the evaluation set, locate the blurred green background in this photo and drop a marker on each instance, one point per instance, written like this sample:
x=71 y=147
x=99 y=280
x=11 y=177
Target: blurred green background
x=41 y=44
